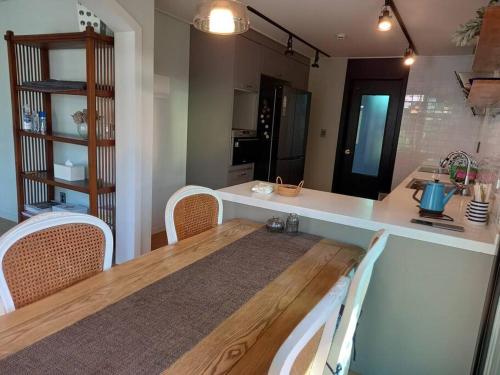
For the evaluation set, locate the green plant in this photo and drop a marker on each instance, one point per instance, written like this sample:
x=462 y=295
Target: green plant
x=467 y=33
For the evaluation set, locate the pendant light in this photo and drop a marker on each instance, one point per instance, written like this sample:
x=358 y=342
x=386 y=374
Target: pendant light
x=316 y=60
x=385 y=20
x=409 y=56
x=223 y=17
x=289 y=46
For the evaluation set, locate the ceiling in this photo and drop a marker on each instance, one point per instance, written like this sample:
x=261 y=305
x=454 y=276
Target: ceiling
x=429 y=22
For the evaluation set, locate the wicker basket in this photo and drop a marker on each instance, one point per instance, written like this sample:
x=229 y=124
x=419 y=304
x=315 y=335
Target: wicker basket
x=286 y=189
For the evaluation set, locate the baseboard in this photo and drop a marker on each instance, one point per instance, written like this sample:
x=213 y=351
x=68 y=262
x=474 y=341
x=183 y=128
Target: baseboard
x=8 y=215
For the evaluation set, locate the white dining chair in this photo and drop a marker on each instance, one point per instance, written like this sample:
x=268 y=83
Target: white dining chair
x=341 y=349
x=316 y=342
x=192 y=210
x=48 y=253
x=306 y=349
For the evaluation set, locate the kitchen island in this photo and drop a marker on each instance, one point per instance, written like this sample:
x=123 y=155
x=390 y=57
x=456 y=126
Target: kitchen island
x=423 y=309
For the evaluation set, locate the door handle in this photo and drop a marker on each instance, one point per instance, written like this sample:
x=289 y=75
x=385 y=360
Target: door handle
x=347 y=152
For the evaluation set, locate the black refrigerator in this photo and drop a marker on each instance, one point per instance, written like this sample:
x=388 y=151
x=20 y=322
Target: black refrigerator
x=282 y=125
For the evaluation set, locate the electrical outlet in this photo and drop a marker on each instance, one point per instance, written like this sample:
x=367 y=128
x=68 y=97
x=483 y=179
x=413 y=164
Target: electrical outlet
x=62 y=197
x=322 y=133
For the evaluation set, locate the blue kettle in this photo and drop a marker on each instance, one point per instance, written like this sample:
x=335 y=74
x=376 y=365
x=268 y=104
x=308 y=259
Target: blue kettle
x=434 y=197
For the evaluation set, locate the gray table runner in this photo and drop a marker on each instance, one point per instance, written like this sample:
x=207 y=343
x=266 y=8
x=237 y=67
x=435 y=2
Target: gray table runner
x=149 y=330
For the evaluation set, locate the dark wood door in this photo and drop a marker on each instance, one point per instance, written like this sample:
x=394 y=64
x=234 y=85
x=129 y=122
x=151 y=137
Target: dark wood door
x=366 y=153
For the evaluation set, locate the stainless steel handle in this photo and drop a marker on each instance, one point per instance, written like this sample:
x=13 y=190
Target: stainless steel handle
x=347 y=152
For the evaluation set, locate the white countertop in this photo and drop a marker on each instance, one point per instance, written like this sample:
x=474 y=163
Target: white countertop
x=393 y=213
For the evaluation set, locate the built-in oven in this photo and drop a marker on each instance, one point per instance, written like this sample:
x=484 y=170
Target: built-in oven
x=245 y=146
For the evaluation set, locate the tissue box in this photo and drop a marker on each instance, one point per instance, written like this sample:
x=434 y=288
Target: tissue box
x=69 y=173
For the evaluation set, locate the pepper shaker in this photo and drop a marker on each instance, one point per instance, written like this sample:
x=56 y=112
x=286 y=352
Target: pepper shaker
x=292 y=223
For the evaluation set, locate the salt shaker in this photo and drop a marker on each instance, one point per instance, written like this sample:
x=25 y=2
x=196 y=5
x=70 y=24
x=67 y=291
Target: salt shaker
x=275 y=224
x=292 y=223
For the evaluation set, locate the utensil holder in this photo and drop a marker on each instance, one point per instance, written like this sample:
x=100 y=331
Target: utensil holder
x=477 y=212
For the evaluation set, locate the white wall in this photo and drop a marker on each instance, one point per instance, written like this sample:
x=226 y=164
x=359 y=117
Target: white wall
x=327 y=86
x=134 y=47
x=33 y=17
x=170 y=112
x=436 y=119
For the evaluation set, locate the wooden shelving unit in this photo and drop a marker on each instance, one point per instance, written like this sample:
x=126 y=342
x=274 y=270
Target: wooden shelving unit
x=28 y=57
x=487 y=54
x=485 y=93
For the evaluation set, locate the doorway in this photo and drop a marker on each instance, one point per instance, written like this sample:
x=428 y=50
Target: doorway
x=369 y=128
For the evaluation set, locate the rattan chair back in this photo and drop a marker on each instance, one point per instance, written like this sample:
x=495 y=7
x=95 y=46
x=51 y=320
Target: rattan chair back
x=51 y=252
x=192 y=210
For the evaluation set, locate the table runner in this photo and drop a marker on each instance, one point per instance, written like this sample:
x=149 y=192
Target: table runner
x=147 y=331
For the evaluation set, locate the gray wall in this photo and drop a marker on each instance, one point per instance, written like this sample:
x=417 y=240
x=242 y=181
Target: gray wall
x=327 y=86
x=422 y=310
x=170 y=113
x=210 y=109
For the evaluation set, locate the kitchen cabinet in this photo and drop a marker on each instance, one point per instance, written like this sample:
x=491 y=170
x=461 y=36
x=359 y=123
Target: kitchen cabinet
x=297 y=74
x=246 y=64
x=224 y=84
x=273 y=64
x=278 y=65
x=239 y=174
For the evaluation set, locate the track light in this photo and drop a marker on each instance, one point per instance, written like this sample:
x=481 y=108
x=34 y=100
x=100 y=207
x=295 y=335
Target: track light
x=316 y=60
x=409 y=56
x=289 y=46
x=385 y=20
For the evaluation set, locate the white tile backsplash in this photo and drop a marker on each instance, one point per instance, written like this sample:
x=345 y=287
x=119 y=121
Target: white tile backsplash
x=436 y=118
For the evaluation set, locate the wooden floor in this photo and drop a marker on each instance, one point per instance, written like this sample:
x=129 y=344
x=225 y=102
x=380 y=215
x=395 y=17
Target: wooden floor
x=158 y=240
x=5 y=225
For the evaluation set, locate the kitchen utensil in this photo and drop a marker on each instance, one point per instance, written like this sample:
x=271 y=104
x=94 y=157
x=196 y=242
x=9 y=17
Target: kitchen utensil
x=275 y=225
x=286 y=189
x=477 y=212
x=455 y=228
x=434 y=197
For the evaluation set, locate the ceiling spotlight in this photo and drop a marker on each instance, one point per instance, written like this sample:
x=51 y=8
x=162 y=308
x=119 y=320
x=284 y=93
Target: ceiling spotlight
x=316 y=60
x=385 y=20
x=409 y=56
x=222 y=17
x=289 y=46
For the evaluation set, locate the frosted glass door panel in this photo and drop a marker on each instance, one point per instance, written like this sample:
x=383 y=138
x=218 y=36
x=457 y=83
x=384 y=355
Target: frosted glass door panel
x=370 y=134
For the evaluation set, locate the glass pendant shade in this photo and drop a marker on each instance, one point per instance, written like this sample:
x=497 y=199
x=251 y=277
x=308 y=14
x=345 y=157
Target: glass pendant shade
x=385 y=21
x=222 y=17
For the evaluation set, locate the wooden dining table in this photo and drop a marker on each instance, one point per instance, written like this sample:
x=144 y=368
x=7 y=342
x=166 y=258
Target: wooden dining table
x=244 y=343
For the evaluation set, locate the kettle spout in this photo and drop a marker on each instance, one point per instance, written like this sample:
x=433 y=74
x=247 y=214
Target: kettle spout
x=448 y=196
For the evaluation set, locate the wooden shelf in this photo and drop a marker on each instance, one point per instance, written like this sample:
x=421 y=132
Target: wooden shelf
x=487 y=56
x=59 y=41
x=99 y=92
x=67 y=138
x=80 y=186
x=485 y=93
x=29 y=59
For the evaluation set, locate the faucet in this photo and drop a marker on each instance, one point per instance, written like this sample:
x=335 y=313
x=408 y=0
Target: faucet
x=455 y=155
